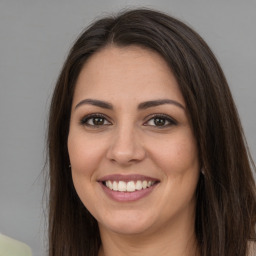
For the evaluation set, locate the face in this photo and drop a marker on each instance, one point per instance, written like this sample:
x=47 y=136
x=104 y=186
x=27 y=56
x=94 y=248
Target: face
x=132 y=150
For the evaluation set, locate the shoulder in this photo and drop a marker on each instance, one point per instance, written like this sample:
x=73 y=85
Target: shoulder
x=10 y=246
x=252 y=248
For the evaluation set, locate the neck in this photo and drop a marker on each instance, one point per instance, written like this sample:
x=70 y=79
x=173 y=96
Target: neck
x=177 y=239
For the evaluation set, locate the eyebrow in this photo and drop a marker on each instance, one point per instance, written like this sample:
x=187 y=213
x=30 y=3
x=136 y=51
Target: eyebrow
x=141 y=106
x=98 y=103
x=154 y=103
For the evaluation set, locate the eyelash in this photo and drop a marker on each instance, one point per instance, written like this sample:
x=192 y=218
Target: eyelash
x=164 y=117
x=85 y=120
x=170 y=121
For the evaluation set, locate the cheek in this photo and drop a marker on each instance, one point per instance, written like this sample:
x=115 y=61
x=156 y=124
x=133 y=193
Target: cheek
x=177 y=156
x=84 y=158
x=179 y=164
x=186 y=154
x=84 y=153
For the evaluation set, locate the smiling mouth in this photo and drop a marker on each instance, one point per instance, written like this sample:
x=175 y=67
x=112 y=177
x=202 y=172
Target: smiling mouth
x=130 y=186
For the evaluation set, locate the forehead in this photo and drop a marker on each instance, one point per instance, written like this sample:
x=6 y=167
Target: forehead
x=126 y=72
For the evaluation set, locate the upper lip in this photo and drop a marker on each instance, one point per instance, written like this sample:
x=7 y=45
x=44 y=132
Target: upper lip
x=130 y=177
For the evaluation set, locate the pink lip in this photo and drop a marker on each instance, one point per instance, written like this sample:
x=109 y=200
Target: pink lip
x=126 y=196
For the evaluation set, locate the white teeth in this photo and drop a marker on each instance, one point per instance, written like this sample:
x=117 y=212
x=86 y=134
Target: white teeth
x=121 y=186
x=114 y=185
x=144 y=184
x=109 y=184
x=129 y=186
x=138 y=185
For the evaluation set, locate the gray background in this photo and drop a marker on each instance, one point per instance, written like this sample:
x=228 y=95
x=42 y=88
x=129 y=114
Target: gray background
x=35 y=38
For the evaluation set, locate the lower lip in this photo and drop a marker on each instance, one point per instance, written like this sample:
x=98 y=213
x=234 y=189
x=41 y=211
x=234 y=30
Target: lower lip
x=127 y=196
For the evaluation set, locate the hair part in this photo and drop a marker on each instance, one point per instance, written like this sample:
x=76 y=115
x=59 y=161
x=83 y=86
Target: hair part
x=226 y=201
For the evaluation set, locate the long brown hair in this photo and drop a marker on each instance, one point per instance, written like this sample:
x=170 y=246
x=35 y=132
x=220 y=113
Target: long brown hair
x=226 y=198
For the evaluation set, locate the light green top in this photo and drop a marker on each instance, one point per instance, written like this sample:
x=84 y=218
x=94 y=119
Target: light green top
x=12 y=247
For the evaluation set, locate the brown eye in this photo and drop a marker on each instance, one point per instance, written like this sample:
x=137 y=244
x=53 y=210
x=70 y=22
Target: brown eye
x=98 y=121
x=160 y=121
x=95 y=120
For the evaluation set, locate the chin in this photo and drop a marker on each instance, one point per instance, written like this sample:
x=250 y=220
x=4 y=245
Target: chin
x=127 y=224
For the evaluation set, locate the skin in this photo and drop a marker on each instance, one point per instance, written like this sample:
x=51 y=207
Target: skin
x=129 y=141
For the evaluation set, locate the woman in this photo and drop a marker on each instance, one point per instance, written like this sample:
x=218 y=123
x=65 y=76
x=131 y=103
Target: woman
x=146 y=151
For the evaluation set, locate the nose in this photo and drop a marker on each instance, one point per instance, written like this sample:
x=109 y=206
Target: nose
x=126 y=147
